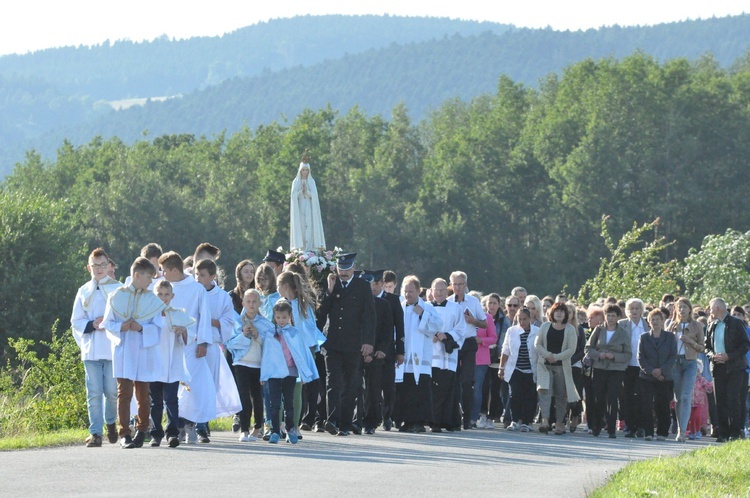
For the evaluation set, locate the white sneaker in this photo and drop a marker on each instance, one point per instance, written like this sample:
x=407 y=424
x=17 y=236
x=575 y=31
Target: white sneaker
x=245 y=437
x=490 y=424
x=482 y=423
x=192 y=435
x=513 y=426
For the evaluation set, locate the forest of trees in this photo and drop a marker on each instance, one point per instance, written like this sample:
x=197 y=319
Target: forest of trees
x=269 y=71
x=509 y=186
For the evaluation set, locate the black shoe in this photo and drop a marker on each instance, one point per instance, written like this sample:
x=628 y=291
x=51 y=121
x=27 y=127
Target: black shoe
x=331 y=428
x=448 y=429
x=387 y=424
x=126 y=442
x=612 y=435
x=435 y=428
x=406 y=428
x=721 y=439
x=419 y=428
x=304 y=426
x=357 y=430
x=236 y=423
x=369 y=431
x=344 y=433
x=596 y=432
x=318 y=428
x=630 y=434
x=173 y=442
x=138 y=439
x=456 y=429
x=640 y=433
x=203 y=436
x=155 y=441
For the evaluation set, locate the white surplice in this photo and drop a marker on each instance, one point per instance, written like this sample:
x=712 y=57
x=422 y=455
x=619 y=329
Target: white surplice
x=455 y=325
x=135 y=355
x=227 y=396
x=418 y=333
x=90 y=303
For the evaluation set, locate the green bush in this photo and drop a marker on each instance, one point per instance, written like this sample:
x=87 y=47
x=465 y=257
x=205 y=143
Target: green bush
x=43 y=392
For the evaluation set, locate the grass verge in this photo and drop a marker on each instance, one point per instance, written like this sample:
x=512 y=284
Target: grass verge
x=64 y=437
x=720 y=470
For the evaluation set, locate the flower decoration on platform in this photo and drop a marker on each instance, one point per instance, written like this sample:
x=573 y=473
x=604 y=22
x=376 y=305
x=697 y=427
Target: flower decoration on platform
x=319 y=262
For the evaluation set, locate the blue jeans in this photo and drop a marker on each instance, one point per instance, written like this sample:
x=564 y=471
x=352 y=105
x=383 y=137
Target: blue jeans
x=101 y=394
x=684 y=372
x=480 y=371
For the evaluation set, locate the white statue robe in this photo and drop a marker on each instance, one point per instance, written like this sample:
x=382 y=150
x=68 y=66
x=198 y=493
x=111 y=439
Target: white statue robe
x=227 y=396
x=135 y=355
x=455 y=325
x=305 y=221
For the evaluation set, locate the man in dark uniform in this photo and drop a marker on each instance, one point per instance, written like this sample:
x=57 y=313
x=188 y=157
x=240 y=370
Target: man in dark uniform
x=349 y=308
x=276 y=260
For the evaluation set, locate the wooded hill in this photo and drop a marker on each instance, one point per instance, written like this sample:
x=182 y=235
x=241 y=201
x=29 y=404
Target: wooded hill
x=273 y=71
x=510 y=186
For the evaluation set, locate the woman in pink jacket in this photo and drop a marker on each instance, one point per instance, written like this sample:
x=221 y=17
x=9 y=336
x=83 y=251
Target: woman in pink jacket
x=485 y=338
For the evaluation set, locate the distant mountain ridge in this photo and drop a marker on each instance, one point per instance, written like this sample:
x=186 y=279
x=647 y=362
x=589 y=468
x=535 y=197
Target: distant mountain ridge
x=310 y=62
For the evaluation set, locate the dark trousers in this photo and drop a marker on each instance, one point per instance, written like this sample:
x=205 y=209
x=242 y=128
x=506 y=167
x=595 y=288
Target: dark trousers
x=629 y=398
x=523 y=397
x=588 y=395
x=251 y=396
x=730 y=389
x=577 y=408
x=443 y=395
x=343 y=376
x=389 y=387
x=467 y=358
x=373 y=394
x=495 y=396
x=276 y=389
x=163 y=393
x=607 y=385
x=415 y=400
x=654 y=397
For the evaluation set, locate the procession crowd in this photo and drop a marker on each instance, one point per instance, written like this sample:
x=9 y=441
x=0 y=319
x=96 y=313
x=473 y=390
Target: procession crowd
x=353 y=353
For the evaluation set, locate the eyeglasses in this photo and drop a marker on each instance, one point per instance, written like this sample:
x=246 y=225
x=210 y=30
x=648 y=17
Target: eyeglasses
x=101 y=266
x=512 y=305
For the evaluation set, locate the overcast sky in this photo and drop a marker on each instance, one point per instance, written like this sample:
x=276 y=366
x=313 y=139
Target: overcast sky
x=27 y=25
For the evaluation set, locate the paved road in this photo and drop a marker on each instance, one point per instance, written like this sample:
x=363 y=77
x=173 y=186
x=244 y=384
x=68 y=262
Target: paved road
x=468 y=463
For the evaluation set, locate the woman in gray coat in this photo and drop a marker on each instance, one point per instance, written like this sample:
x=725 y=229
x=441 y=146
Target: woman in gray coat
x=609 y=351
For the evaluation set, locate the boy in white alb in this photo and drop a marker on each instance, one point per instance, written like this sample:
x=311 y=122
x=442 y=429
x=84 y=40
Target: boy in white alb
x=197 y=399
x=96 y=348
x=132 y=320
x=223 y=318
x=174 y=335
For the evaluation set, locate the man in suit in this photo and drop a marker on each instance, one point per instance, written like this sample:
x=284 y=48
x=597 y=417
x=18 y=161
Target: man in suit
x=726 y=345
x=395 y=354
x=349 y=308
x=370 y=402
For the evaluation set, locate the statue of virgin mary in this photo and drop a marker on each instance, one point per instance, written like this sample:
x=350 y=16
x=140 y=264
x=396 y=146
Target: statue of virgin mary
x=305 y=222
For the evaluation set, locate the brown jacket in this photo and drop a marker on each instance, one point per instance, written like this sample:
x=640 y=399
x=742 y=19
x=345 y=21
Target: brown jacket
x=693 y=338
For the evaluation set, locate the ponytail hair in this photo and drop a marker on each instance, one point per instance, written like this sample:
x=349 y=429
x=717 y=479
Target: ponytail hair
x=303 y=293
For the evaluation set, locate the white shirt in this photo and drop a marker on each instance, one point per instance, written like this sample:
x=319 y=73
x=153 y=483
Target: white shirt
x=475 y=308
x=222 y=309
x=636 y=331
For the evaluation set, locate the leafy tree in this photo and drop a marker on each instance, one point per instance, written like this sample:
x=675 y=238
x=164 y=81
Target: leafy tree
x=633 y=268
x=41 y=260
x=720 y=268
